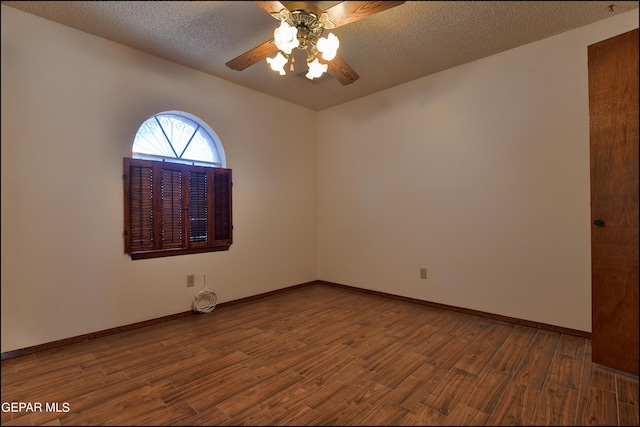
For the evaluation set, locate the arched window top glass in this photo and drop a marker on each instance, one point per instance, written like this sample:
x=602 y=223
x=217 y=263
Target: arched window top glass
x=180 y=137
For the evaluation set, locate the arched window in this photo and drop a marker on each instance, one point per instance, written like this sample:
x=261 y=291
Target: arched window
x=177 y=190
x=178 y=137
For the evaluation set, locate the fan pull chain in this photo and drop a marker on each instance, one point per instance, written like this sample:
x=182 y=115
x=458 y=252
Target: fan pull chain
x=293 y=59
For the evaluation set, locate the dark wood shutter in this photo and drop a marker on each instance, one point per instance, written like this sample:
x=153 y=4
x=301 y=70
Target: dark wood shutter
x=198 y=207
x=175 y=209
x=139 y=207
x=222 y=216
x=172 y=207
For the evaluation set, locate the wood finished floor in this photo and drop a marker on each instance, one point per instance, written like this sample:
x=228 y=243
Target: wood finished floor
x=323 y=355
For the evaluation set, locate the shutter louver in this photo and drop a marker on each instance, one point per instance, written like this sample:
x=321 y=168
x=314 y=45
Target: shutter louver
x=172 y=223
x=198 y=209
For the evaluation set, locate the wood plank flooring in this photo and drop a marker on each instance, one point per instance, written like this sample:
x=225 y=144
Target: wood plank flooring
x=321 y=355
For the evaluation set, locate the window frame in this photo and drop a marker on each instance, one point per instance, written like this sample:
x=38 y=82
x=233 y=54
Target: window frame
x=187 y=119
x=218 y=207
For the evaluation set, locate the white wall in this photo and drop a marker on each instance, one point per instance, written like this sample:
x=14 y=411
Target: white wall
x=71 y=105
x=479 y=173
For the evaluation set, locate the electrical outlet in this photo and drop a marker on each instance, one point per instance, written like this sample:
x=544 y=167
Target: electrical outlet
x=191 y=280
x=423 y=273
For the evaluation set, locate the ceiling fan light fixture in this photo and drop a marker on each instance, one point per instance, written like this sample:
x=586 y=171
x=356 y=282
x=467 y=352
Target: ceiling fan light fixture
x=286 y=37
x=302 y=24
x=302 y=27
x=328 y=46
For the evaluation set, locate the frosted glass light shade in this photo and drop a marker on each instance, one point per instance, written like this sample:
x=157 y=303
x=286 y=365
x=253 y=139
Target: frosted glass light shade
x=315 y=69
x=328 y=46
x=286 y=37
x=277 y=63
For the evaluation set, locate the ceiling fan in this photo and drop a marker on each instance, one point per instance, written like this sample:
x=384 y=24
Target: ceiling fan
x=302 y=25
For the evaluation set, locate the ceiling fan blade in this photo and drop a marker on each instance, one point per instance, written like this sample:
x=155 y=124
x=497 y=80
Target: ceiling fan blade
x=273 y=8
x=351 y=11
x=342 y=72
x=252 y=56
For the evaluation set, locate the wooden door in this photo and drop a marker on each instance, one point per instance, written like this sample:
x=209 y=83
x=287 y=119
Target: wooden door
x=613 y=121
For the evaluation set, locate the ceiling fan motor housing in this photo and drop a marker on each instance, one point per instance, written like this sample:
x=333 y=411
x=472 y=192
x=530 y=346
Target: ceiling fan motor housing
x=305 y=17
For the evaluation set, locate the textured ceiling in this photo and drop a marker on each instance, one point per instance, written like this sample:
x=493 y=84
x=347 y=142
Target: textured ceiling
x=401 y=44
